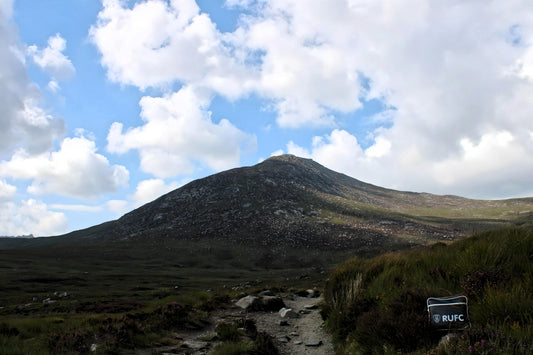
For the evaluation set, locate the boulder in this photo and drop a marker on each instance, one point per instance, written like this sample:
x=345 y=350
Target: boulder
x=265 y=303
x=248 y=303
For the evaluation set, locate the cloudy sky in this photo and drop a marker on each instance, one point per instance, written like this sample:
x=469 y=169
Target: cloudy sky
x=105 y=105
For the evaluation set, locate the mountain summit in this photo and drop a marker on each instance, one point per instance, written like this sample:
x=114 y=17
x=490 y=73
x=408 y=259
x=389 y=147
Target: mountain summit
x=287 y=200
x=295 y=202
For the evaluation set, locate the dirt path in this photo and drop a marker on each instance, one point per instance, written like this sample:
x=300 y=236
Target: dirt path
x=302 y=335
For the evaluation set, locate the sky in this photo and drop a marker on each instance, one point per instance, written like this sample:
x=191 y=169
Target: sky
x=106 y=105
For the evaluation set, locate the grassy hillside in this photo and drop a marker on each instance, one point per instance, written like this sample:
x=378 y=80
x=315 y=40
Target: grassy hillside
x=378 y=305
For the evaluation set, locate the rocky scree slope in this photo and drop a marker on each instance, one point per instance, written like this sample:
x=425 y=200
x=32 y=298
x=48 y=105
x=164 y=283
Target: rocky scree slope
x=283 y=200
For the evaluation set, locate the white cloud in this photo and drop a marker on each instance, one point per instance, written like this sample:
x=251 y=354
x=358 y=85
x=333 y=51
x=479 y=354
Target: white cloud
x=146 y=191
x=479 y=170
x=119 y=207
x=30 y=217
x=6 y=8
x=77 y=208
x=149 y=190
x=486 y=165
x=178 y=131
x=74 y=170
x=23 y=121
x=51 y=59
x=53 y=86
x=451 y=73
x=454 y=78
x=7 y=191
x=158 y=42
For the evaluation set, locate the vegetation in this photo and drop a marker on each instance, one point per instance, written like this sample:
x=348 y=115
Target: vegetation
x=127 y=284
x=131 y=295
x=377 y=305
x=242 y=337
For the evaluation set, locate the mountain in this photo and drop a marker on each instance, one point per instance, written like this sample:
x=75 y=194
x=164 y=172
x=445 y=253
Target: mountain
x=297 y=202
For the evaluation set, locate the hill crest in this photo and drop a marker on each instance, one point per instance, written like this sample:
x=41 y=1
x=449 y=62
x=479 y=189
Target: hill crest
x=298 y=202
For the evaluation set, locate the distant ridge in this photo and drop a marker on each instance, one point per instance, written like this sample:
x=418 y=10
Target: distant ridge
x=297 y=202
x=28 y=236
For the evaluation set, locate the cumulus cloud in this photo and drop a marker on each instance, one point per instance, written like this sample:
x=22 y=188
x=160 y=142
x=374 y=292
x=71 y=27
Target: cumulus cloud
x=146 y=191
x=178 y=132
x=23 y=121
x=7 y=191
x=76 y=169
x=149 y=190
x=30 y=217
x=158 y=42
x=447 y=73
x=478 y=169
x=51 y=59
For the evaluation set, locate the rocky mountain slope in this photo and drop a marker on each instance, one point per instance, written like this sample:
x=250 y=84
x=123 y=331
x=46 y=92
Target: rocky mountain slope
x=298 y=202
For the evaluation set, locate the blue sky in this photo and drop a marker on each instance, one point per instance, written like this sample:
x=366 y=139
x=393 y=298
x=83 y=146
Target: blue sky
x=109 y=104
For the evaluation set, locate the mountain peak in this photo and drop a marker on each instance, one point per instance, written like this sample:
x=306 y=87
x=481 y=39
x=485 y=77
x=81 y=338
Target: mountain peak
x=289 y=158
x=284 y=200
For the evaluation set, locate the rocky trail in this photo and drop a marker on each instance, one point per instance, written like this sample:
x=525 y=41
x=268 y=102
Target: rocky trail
x=297 y=328
x=304 y=334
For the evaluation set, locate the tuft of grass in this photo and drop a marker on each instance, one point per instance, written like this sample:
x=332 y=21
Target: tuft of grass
x=370 y=302
x=234 y=348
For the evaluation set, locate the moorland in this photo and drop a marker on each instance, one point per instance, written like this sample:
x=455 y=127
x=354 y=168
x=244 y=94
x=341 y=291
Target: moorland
x=285 y=225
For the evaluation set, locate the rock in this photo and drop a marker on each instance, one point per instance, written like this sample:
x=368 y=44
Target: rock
x=288 y=313
x=311 y=306
x=266 y=293
x=297 y=342
x=248 y=302
x=272 y=303
x=195 y=345
x=313 y=293
x=266 y=303
x=445 y=340
x=284 y=339
x=313 y=343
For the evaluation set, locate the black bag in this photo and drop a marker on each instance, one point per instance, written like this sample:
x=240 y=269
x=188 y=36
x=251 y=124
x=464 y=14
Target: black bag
x=448 y=313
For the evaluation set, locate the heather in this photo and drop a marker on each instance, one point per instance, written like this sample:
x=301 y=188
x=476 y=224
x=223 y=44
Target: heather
x=377 y=305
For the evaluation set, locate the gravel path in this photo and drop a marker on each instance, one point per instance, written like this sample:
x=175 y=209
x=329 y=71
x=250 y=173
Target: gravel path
x=303 y=335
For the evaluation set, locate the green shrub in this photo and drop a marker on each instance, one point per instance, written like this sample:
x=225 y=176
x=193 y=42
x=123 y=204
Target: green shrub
x=228 y=332
x=376 y=304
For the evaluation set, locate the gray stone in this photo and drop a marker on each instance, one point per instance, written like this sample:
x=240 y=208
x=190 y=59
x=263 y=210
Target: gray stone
x=248 y=302
x=445 y=340
x=313 y=293
x=288 y=313
x=313 y=343
x=195 y=345
x=266 y=293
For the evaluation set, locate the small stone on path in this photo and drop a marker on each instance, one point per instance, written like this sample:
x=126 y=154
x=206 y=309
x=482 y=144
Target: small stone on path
x=313 y=343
